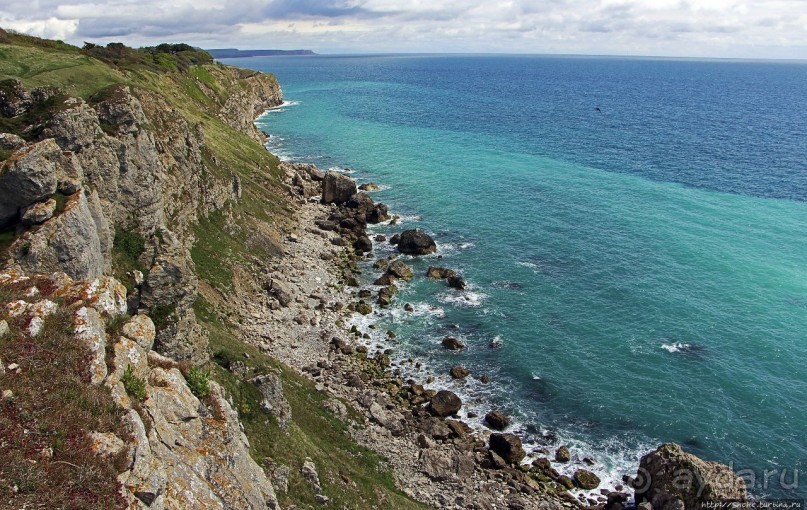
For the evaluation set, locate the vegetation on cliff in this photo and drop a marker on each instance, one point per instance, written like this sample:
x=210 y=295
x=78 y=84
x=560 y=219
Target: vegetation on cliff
x=159 y=160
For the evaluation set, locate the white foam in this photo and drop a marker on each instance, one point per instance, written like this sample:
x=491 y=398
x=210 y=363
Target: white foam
x=463 y=298
x=676 y=347
x=530 y=265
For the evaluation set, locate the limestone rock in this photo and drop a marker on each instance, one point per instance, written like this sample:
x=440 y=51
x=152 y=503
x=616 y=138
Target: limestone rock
x=416 y=242
x=11 y=142
x=274 y=401
x=443 y=466
x=29 y=176
x=388 y=419
x=508 y=447
x=677 y=478
x=337 y=188
x=38 y=213
x=70 y=242
x=140 y=329
x=90 y=329
x=445 y=403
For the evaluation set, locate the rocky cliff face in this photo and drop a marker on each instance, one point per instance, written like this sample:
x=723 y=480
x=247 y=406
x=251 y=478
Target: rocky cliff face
x=184 y=447
x=127 y=163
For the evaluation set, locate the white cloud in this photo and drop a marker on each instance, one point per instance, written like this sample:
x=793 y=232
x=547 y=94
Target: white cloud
x=753 y=28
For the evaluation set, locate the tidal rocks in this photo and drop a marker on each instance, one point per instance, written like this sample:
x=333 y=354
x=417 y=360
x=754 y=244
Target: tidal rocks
x=440 y=273
x=364 y=308
x=562 y=454
x=416 y=242
x=452 y=343
x=508 y=447
x=337 y=188
x=386 y=294
x=459 y=372
x=363 y=244
x=497 y=420
x=369 y=186
x=400 y=270
x=378 y=213
x=680 y=479
x=445 y=403
x=456 y=282
x=586 y=480
x=395 y=239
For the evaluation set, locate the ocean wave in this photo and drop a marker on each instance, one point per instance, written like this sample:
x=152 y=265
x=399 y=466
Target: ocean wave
x=463 y=298
x=682 y=347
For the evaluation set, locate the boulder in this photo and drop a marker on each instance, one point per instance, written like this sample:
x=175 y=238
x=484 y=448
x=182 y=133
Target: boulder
x=11 y=142
x=386 y=294
x=369 y=186
x=445 y=403
x=364 y=308
x=459 y=372
x=379 y=213
x=337 y=188
x=140 y=329
x=279 y=291
x=562 y=454
x=274 y=401
x=400 y=270
x=440 y=273
x=453 y=344
x=497 y=420
x=586 y=480
x=443 y=466
x=416 y=242
x=385 y=279
x=363 y=244
x=395 y=239
x=670 y=477
x=508 y=447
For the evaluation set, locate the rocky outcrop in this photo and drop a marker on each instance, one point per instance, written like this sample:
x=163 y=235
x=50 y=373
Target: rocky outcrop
x=670 y=478
x=251 y=93
x=274 y=402
x=182 y=450
x=508 y=447
x=445 y=403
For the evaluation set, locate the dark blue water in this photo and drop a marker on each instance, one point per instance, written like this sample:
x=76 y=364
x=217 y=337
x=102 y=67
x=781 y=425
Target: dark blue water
x=634 y=232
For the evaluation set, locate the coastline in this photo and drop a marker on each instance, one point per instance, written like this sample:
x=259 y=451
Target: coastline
x=308 y=323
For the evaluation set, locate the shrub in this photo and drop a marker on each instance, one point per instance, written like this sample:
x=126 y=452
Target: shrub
x=135 y=386
x=199 y=382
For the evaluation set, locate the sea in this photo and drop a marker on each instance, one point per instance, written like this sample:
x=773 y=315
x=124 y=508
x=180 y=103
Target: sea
x=633 y=232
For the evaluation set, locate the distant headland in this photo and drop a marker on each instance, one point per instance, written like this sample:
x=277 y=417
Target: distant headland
x=236 y=53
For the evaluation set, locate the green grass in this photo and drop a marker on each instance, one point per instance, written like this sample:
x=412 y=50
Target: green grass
x=352 y=476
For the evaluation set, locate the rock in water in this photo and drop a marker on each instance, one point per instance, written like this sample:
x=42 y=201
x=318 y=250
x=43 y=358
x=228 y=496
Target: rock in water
x=563 y=455
x=586 y=479
x=676 y=476
x=416 y=242
x=452 y=343
x=440 y=273
x=508 y=447
x=456 y=282
x=497 y=420
x=459 y=372
x=400 y=270
x=337 y=188
x=445 y=403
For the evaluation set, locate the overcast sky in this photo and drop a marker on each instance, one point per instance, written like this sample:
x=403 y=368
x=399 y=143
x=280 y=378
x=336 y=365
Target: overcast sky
x=697 y=28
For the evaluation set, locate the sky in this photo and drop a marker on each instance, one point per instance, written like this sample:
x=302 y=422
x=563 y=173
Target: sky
x=683 y=28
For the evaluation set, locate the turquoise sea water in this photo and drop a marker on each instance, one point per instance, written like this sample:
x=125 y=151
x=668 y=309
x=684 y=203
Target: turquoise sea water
x=634 y=233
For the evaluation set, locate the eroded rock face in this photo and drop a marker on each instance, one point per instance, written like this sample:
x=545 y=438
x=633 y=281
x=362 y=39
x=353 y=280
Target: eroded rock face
x=669 y=478
x=274 y=402
x=27 y=177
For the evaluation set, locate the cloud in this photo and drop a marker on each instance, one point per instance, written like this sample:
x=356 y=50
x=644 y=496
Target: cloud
x=771 y=28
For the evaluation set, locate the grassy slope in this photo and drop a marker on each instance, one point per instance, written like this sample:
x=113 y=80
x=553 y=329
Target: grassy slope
x=352 y=476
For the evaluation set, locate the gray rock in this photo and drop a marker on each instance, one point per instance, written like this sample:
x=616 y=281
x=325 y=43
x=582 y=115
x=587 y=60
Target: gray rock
x=390 y=420
x=279 y=291
x=416 y=242
x=11 y=142
x=140 y=329
x=337 y=188
x=28 y=177
x=4 y=330
x=38 y=213
x=444 y=466
x=274 y=401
